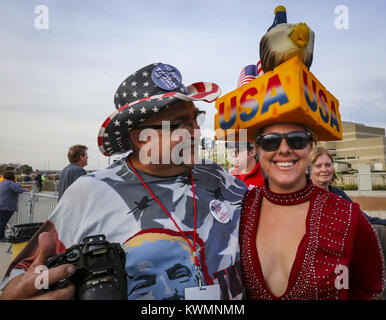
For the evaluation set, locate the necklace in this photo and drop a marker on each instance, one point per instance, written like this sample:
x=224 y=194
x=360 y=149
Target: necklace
x=289 y=199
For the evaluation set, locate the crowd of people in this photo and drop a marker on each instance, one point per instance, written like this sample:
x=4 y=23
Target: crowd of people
x=267 y=231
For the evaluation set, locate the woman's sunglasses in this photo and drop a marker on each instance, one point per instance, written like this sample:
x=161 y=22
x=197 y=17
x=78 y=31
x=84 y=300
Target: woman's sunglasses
x=296 y=140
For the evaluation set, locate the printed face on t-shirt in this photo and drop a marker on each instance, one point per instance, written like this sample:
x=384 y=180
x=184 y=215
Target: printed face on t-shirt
x=160 y=269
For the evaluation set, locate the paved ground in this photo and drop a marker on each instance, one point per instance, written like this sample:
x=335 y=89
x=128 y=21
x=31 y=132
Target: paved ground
x=356 y=193
x=372 y=202
x=5 y=258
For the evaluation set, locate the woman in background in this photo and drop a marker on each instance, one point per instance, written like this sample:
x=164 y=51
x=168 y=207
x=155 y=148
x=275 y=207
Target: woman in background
x=323 y=174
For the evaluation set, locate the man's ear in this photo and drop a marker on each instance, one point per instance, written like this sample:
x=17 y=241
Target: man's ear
x=258 y=152
x=252 y=152
x=134 y=136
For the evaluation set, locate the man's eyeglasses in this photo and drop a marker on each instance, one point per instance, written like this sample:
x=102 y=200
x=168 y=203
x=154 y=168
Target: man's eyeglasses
x=296 y=140
x=198 y=118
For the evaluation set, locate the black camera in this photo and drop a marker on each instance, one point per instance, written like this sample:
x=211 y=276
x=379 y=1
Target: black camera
x=100 y=269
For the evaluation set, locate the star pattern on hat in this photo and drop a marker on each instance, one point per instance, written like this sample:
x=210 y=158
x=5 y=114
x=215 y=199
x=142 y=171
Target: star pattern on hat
x=138 y=98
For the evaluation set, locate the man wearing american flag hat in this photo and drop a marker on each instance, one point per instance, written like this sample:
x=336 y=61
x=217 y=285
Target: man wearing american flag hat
x=155 y=198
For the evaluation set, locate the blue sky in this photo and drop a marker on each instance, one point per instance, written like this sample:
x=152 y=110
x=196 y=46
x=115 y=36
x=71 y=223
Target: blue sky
x=57 y=85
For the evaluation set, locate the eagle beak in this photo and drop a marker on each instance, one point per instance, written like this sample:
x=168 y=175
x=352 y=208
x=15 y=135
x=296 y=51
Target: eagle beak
x=300 y=35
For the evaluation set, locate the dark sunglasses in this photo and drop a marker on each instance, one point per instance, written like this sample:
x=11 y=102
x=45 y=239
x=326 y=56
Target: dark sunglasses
x=296 y=140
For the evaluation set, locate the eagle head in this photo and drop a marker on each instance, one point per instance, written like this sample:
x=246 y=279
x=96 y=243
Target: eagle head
x=283 y=41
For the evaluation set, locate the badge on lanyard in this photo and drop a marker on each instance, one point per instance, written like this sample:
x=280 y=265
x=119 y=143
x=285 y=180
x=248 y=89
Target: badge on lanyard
x=219 y=211
x=204 y=293
x=211 y=292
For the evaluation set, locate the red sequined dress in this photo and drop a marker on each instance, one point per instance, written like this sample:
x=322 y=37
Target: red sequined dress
x=338 y=238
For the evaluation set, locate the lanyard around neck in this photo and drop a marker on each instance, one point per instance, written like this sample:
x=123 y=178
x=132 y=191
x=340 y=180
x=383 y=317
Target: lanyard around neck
x=193 y=247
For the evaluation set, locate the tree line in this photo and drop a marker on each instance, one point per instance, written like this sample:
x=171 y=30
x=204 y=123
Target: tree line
x=23 y=169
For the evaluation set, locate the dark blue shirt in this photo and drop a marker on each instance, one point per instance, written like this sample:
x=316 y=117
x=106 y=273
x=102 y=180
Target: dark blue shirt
x=9 y=193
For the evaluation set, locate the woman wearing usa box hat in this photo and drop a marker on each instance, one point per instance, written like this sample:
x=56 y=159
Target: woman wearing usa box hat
x=298 y=241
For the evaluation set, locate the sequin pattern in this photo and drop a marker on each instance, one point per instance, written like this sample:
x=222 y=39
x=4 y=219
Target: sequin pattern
x=327 y=247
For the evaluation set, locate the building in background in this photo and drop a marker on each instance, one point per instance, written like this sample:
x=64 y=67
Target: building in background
x=361 y=144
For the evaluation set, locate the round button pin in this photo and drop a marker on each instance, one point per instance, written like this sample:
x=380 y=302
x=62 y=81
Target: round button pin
x=166 y=77
x=219 y=211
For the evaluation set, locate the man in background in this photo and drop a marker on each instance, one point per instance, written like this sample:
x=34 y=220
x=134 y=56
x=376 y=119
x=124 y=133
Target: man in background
x=77 y=155
x=247 y=166
x=39 y=180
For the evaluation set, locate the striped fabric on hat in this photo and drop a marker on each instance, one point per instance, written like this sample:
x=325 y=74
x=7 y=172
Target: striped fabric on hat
x=259 y=69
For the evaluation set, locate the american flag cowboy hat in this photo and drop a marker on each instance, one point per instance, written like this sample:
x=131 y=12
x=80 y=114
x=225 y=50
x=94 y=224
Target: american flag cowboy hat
x=142 y=95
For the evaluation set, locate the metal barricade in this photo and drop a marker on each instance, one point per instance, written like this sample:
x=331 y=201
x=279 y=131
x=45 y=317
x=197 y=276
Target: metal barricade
x=33 y=207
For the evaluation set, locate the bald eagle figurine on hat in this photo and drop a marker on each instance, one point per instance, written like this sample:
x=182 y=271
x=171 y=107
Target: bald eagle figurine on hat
x=283 y=41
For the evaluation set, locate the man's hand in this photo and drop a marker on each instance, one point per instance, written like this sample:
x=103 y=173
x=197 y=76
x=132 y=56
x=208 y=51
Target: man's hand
x=23 y=286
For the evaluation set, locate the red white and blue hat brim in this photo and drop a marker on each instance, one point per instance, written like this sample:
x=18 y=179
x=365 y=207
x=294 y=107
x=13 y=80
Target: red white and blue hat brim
x=113 y=136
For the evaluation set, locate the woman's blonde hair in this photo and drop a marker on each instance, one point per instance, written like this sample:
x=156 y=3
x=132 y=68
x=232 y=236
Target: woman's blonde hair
x=319 y=151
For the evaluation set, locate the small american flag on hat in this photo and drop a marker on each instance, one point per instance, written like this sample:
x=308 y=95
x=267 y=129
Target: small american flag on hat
x=259 y=69
x=248 y=73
